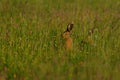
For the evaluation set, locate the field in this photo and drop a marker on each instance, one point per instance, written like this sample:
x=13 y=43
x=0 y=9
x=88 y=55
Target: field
x=31 y=45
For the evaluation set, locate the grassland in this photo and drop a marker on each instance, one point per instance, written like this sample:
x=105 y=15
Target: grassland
x=31 y=46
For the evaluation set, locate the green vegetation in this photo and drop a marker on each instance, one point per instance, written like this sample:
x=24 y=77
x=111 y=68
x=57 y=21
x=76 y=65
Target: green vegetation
x=31 y=42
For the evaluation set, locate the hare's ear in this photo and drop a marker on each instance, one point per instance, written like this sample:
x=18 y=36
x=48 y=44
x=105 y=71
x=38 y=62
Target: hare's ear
x=69 y=27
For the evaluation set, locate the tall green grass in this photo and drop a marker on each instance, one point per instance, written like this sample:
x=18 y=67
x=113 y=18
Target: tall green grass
x=31 y=46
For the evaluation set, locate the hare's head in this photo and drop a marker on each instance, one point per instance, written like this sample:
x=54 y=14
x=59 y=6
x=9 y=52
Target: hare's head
x=67 y=33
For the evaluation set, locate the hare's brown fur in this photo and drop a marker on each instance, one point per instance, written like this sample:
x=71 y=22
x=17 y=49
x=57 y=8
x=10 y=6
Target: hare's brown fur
x=67 y=36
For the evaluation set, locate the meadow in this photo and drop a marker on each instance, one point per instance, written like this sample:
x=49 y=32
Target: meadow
x=31 y=45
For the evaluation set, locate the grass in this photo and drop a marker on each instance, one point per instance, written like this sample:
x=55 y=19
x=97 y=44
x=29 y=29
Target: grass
x=31 y=42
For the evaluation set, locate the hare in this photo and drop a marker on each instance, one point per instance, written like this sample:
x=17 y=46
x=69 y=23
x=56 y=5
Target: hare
x=68 y=43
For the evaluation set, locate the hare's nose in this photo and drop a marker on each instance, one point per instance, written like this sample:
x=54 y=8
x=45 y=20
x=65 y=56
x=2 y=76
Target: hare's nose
x=61 y=35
